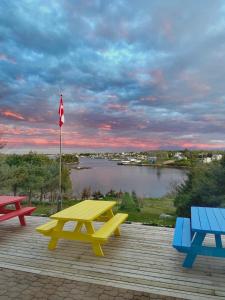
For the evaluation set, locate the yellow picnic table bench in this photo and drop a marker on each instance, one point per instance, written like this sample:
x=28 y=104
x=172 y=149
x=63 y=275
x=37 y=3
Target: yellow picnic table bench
x=84 y=213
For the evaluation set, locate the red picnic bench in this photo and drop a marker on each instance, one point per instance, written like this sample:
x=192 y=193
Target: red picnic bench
x=19 y=211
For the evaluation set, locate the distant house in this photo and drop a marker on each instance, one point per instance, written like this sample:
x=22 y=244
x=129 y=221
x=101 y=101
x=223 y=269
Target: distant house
x=207 y=160
x=134 y=160
x=152 y=159
x=217 y=156
x=179 y=156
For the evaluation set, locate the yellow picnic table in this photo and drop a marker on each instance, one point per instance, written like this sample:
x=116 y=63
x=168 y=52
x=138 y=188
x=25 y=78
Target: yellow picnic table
x=84 y=213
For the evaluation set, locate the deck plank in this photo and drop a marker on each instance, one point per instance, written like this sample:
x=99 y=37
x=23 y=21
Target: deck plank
x=141 y=259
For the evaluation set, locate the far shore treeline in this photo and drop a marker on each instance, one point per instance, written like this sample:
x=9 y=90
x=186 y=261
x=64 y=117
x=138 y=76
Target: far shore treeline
x=37 y=176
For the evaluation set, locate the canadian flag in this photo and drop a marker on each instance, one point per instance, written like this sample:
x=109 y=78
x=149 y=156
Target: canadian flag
x=61 y=112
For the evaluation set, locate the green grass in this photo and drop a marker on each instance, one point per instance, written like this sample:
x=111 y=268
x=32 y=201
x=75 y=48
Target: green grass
x=152 y=209
x=149 y=212
x=47 y=209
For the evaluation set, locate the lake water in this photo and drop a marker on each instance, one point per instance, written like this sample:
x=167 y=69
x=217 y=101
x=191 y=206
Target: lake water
x=105 y=175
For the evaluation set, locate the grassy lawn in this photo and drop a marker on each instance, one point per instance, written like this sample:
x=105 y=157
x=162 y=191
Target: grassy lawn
x=149 y=213
x=152 y=209
x=47 y=209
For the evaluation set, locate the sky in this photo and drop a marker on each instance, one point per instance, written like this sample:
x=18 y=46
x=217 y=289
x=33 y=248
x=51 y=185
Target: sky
x=135 y=75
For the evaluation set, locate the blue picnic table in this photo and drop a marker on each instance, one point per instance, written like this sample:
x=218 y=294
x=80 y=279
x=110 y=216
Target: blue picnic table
x=189 y=234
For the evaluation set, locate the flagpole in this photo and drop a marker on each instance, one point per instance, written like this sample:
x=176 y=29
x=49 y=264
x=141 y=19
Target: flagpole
x=61 y=121
x=60 y=171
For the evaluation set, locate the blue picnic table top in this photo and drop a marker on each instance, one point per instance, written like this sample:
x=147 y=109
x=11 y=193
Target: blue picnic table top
x=208 y=220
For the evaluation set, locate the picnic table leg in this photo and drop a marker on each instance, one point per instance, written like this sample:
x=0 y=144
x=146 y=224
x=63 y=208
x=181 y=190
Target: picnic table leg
x=21 y=218
x=218 y=241
x=96 y=246
x=78 y=227
x=110 y=214
x=191 y=255
x=53 y=242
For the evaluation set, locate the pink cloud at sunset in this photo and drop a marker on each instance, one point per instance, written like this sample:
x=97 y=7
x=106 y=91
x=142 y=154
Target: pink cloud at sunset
x=83 y=142
x=48 y=139
x=13 y=115
x=105 y=127
x=116 y=106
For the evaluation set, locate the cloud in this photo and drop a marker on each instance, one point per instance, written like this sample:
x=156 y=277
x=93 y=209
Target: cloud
x=12 y=115
x=133 y=74
x=4 y=57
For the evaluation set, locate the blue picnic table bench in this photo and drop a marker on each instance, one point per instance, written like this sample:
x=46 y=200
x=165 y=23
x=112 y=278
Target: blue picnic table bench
x=189 y=234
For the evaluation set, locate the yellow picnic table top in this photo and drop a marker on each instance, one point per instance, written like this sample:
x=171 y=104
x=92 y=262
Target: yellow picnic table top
x=87 y=210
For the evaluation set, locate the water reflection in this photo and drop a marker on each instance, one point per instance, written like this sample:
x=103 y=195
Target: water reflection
x=158 y=173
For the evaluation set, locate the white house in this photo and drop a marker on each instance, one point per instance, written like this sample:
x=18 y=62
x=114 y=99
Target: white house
x=207 y=160
x=179 y=156
x=217 y=156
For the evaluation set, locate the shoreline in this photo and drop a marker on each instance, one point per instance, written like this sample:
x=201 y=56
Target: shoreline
x=76 y=166
x=154 y=165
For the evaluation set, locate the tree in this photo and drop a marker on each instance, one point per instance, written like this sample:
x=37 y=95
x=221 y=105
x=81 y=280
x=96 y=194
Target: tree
x=33 y=174
x=66 y=182
x=119 y=194
x=97 y=195
x=69 y=158
x=205 y=186
x=136 y=200
x=86 y=193
x=34 y=182
x=18 y=178
x=187 y=153
x=111 y=194
x=127 y=203
x=4 y=176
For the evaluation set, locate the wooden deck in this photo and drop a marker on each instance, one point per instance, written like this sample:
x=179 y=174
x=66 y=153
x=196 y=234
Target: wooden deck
x=142 y=259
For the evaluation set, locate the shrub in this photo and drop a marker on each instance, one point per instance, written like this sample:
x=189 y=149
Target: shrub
x=205 y=186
